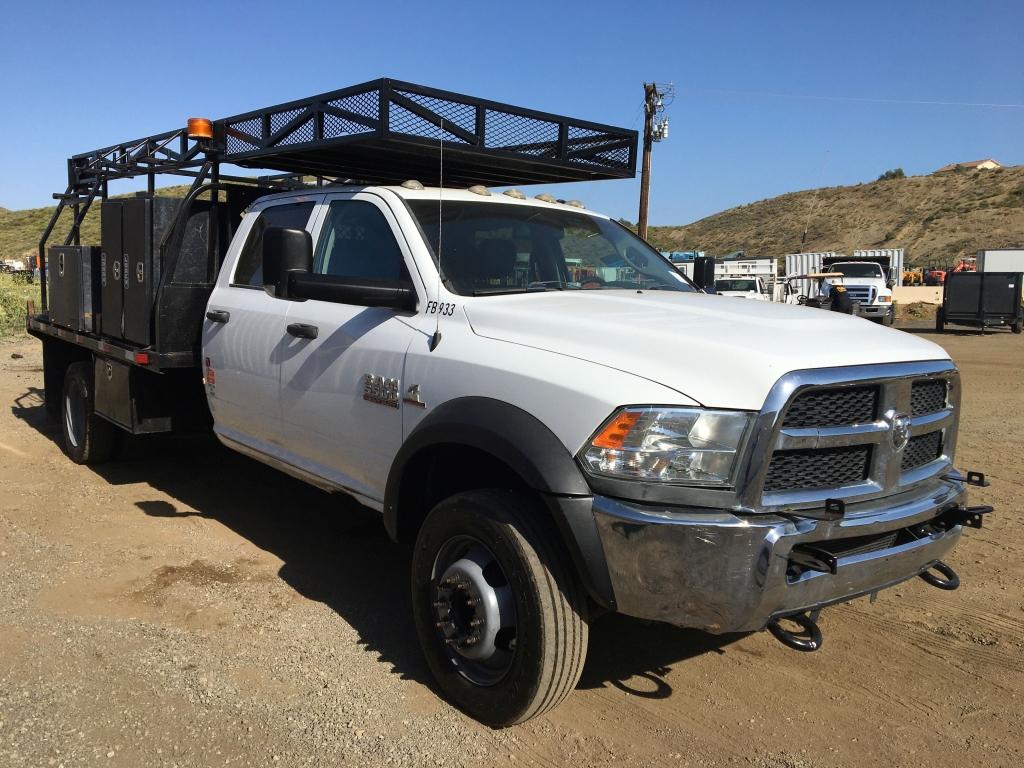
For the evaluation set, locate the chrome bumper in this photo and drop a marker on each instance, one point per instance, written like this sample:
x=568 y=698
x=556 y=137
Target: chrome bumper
x=874 y=310
x=725 y=573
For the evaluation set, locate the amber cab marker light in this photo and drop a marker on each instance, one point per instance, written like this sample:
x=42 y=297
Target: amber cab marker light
x=200 y=128
x=614 y=435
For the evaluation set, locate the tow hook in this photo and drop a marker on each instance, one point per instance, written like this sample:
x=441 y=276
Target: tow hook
x=951 y=580
x=806 y=641
x=971 y=478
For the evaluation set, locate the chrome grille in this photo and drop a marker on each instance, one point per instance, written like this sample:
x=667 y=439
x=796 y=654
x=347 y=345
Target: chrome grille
x=818 y=468
x=833 y=434
x=833 y=407
x=862 y=293
x=927 y=396
x=921 y=450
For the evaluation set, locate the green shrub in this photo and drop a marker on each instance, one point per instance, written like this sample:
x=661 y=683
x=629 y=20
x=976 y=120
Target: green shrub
x=14 y=292
x=895 y=173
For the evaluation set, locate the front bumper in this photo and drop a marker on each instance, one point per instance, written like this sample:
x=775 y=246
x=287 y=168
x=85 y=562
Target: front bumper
x=875 y=310
x=722 y=572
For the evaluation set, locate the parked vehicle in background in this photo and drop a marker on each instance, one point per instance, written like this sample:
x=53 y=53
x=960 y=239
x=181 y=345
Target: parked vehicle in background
x=868 y=285
x=981 y=300
x=828 y=292
x=18 y=267
x=913 y=277
x=745 y=287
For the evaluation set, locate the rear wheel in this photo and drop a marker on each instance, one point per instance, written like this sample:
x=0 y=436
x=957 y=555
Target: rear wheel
x=499 y=613
x=940 y=320
x=88 y=439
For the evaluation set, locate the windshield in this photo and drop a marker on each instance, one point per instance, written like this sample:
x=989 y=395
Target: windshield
x=735 y=285
x=857 y=270
x=495 y=248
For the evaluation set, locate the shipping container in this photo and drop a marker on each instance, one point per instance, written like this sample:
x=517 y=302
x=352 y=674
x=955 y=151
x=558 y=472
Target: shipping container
x=1001 y=260
x=807 y=263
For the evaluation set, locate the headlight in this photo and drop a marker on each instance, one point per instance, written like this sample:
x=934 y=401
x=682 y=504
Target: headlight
x=688 y=446
x=885 y=299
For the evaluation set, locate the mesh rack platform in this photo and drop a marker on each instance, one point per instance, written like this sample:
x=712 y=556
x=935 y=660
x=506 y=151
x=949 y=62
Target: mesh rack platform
x=385 y=131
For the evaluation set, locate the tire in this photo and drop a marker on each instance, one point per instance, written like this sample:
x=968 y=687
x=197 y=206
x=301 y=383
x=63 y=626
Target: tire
x=87 y=438
x=536 y=658
x=1015 y=326
x=940 y=320
x=889 y=319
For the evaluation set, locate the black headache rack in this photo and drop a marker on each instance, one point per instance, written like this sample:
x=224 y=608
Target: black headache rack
x=380 y=132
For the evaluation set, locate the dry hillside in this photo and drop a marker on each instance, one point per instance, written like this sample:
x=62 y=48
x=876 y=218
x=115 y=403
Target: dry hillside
x=937 y=218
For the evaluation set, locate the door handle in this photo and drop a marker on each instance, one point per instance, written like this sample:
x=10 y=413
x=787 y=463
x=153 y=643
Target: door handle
x=303 y=331
x=218 y=316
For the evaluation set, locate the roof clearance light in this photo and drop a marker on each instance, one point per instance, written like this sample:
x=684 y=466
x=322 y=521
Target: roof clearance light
x=576 y=204
x=480 y=189
x=515 y=193
x=412 y=184
x=545 y=198
x=200 y=128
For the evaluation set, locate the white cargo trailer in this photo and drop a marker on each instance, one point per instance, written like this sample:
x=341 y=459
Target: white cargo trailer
x=1001 y=260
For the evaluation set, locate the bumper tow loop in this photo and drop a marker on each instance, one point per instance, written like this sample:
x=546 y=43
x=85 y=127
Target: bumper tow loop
x=951 y=580
x=808 y=640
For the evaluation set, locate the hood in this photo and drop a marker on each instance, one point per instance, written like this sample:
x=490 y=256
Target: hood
x=878 y=282
x=718 y=351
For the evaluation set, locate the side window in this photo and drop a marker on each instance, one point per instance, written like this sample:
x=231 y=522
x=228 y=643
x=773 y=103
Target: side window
x=250 y=261
x=357 y=241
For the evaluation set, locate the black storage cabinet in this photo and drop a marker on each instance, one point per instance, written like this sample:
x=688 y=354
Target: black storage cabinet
x=132 y=230
x=74 y=285
x=981 y=299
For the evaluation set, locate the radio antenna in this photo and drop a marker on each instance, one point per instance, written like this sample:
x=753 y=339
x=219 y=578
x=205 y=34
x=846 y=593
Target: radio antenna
x=436 y=338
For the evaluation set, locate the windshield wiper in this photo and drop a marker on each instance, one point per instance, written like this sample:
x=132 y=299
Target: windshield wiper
x=504 y=291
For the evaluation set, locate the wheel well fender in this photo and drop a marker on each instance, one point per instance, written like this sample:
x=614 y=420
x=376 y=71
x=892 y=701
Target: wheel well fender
x=509 y=445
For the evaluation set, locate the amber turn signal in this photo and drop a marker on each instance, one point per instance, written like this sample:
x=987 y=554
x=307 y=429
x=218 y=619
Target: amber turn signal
x=617 y=430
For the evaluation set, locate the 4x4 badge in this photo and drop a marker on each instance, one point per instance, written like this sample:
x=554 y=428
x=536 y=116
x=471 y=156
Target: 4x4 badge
x=412 y=397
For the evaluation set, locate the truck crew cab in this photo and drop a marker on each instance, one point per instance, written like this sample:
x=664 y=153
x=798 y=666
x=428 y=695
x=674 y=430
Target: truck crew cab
x=551 y=418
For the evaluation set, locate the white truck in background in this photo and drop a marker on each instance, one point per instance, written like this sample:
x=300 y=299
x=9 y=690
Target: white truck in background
x=747 y=287
x=866 y=283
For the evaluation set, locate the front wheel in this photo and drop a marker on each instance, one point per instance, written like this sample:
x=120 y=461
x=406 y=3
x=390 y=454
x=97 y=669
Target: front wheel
x=499 y=613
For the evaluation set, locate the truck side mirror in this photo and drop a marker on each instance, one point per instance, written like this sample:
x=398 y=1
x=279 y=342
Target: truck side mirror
x=285 y=251
x=890 y=284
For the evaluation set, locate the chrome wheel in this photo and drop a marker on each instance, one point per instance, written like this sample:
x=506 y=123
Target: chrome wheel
x=474 y=610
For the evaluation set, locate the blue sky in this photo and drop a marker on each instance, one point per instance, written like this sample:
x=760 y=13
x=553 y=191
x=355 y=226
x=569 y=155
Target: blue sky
x=772 y=97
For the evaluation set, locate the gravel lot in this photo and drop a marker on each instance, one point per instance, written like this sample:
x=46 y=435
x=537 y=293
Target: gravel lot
x=185 y=606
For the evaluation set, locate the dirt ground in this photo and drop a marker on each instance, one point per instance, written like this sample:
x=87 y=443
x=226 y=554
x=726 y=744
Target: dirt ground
x=186 y=606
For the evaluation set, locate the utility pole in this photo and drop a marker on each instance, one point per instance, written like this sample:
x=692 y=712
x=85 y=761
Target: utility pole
x=650 y=94
x=654 y=105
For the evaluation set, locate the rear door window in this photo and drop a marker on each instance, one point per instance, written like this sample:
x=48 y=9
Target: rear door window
x=249 y=272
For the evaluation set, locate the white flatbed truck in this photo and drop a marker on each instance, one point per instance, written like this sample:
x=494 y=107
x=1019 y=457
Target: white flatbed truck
x=551 y=417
